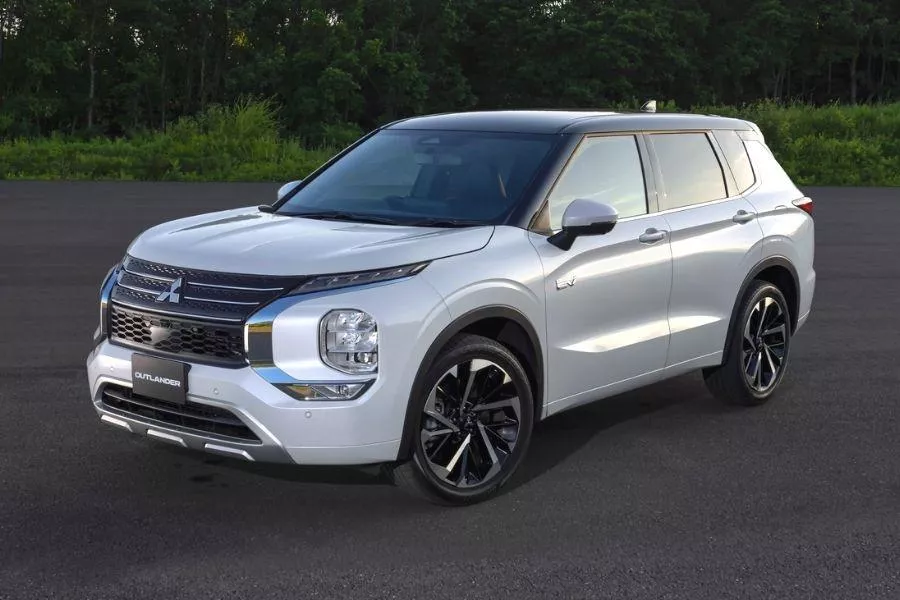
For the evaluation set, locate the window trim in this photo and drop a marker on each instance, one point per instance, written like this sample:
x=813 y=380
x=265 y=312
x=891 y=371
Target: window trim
x=651 y=193
x=731 y=188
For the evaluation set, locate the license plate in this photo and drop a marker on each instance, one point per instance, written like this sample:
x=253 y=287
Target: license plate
x=159 y=378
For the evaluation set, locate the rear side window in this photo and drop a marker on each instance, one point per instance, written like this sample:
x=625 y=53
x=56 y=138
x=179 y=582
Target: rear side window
x=771 y=173
x=736 y=155
x=690 y=170
x=604 y=169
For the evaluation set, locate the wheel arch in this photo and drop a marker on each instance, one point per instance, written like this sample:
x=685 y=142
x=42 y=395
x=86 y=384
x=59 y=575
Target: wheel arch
x=502 y=323
x=780 y=272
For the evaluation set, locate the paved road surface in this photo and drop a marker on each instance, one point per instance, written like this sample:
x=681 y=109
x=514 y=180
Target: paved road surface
x=656 y=494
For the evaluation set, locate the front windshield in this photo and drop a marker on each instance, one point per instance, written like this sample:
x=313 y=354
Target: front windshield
x=429 y=177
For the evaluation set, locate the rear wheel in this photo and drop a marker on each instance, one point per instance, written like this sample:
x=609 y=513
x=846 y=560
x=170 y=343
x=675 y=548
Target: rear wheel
x=473 y=423
x=757 y=358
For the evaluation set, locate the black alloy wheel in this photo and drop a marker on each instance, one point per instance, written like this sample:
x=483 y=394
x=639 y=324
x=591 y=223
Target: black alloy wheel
x=470 y=423
x=764 y=344
x=756 y=358
x=473 y=423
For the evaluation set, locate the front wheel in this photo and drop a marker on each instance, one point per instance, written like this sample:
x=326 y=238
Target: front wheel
x=757 y=357
x=472 y=425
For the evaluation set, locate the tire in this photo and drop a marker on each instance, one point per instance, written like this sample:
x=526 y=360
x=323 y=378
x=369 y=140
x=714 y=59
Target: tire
x=754 y=364
x=482 y=440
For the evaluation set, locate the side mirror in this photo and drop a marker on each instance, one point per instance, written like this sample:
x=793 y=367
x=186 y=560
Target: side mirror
x=286 y=188
x=584 y=217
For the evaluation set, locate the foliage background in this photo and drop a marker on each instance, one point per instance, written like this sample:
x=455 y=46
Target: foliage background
x=264 y=89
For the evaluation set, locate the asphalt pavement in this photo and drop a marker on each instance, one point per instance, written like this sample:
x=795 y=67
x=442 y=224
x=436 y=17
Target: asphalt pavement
x=661 y=493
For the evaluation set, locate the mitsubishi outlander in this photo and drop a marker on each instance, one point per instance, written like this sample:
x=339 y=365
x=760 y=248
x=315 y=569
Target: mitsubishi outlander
x=425 y=297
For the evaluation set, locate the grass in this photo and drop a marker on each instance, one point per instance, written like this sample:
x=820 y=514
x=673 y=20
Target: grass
x=831 y=145
x=239 y=143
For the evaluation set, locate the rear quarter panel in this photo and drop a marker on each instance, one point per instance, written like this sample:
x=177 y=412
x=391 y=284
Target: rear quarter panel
x=787 y=231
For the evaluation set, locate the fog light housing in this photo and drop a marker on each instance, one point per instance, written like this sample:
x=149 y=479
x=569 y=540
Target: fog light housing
x=324 y=391
x=348 y=341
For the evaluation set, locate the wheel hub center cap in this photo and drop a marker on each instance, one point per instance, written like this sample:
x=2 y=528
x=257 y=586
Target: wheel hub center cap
x=466 y=421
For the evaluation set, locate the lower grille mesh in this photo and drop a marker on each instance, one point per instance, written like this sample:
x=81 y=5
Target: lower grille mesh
x=211 y=342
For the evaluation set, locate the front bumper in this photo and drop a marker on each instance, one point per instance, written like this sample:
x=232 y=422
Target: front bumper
x=364 y=430
x=289 y=431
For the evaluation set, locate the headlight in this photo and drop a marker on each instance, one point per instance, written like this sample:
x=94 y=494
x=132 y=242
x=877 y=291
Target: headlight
x=330 y=282
x=348 y=341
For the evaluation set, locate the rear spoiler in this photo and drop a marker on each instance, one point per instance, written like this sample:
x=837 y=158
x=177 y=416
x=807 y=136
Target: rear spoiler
x=756 y=135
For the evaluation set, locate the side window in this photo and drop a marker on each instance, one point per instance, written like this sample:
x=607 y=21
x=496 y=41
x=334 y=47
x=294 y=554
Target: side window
x=605 y=169
x=690 y=170
x=738 y=159
x=767 y=166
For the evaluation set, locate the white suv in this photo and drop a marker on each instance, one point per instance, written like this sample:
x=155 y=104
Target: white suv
x=426 y=296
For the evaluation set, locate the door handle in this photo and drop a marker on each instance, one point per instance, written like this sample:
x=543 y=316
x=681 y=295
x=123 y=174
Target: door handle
x=743 y=216
x=651 y=236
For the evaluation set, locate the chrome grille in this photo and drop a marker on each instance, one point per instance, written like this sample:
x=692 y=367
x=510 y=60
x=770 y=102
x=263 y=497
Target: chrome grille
x=205 y=323
x=203 y=294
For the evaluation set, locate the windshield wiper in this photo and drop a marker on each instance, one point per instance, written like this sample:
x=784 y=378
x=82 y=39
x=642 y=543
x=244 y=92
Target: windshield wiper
x=446 y=223
x=337 y=215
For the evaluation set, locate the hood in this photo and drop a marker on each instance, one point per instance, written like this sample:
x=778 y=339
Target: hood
x=245 y=240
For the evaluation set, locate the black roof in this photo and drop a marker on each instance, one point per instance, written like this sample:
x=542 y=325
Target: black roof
x=567 y=121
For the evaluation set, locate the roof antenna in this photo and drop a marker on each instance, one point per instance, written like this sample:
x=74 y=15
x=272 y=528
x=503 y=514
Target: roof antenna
x=649 y=106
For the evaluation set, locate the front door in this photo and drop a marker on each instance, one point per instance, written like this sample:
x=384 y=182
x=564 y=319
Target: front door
x=607 y=296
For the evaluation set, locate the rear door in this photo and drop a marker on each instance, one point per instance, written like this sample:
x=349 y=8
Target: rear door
x=715 y=239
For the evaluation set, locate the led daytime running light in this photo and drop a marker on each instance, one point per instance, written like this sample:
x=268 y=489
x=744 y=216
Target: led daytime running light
x=324 y=391
x=340 y=280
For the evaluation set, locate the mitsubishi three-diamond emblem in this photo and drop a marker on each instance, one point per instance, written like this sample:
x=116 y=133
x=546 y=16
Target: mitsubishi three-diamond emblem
x=173 y=294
